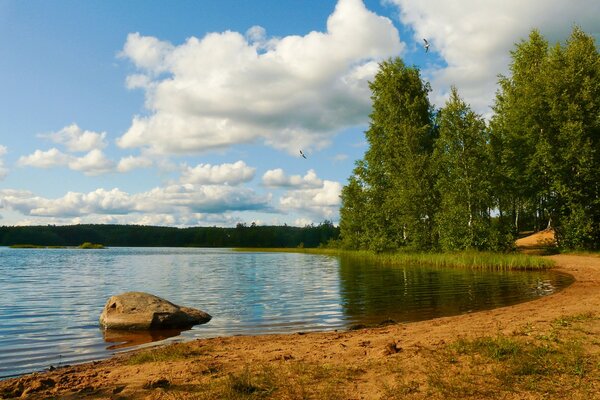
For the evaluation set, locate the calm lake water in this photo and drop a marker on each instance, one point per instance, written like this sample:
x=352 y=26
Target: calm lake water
x=50 y=300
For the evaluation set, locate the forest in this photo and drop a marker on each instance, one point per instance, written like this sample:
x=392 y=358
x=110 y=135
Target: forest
x=448 y=179
x=155 y=236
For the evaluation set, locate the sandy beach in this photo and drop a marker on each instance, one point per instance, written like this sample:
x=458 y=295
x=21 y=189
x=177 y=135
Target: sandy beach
x=413 y=360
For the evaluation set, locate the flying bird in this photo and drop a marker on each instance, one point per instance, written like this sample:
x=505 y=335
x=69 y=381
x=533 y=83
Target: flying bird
x=302 y=154
x=426 y=46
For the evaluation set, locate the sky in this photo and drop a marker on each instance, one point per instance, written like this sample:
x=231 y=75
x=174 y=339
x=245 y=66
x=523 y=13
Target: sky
x=193 y=113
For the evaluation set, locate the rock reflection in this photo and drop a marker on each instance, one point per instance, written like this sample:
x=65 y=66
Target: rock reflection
x=123 y=339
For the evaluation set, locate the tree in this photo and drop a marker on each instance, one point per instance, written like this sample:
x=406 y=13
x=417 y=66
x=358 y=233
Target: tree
x=546 y=138
x=573 y=86
x=352 y=215
x=391 y=193
x=462 y=160
x=520 y=139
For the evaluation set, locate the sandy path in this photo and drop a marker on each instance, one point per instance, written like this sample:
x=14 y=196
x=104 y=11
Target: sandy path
x=114 y=378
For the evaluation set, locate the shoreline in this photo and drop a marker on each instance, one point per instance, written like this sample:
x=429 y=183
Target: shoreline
x=365 y=362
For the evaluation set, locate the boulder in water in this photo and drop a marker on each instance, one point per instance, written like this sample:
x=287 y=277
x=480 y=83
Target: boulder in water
x=138 y=311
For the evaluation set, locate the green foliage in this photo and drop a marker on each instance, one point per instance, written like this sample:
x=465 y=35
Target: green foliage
x=155 y=236
x=462 y=161
x=458 y=184
x=546 y=138
x=389 y=200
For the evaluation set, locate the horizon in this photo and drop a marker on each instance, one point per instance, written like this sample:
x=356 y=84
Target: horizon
x=197 y=114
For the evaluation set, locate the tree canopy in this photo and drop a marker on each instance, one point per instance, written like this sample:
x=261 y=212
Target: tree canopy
x=446 y=179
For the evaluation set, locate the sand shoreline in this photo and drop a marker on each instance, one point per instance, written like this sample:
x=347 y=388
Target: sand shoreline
x=211 y=360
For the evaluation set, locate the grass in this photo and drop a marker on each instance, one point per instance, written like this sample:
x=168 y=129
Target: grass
x=464 y=259
x=288 y=380
x=276 y=380
x=176 y=352
x=560 y=363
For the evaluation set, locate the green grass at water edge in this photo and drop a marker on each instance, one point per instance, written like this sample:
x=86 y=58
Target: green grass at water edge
x=465 y=259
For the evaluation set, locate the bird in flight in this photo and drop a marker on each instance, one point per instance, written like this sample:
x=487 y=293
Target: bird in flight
x=302 y=154
x=426 y=46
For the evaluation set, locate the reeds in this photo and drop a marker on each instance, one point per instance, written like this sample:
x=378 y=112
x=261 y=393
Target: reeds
x=463 y=259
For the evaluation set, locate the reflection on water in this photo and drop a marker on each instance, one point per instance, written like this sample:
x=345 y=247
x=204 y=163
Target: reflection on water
x=50 y=299
x=119 y=339
x=371 y=293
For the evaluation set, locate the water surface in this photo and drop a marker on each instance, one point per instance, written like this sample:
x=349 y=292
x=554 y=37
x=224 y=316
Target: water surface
x=50 y=299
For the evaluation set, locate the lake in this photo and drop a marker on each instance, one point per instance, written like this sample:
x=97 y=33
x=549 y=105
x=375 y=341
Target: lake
x=50 y=299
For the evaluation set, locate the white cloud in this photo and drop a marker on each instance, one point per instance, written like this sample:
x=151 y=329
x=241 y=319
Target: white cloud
x=93 y=163
x=229 y=174
x=134 y=219
x=76 y=139
x=181 y=201
x=277 y=178
x=323 y=202
x=129 y=163
x=3 y=169
x=302 y=222
x=71 y=204
x=45 y=159
x=474 y=37
x=147 y=53
x=227 y=88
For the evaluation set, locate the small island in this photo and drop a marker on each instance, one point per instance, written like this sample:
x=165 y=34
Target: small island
x=89 y=245
x=34 y=246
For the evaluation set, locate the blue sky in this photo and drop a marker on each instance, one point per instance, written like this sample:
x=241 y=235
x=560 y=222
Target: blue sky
x=193 y=112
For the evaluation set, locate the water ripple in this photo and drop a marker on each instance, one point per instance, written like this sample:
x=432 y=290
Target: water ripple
x=50 y=299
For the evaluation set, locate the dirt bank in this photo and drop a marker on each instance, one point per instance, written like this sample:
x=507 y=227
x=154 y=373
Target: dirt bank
x=415 y=360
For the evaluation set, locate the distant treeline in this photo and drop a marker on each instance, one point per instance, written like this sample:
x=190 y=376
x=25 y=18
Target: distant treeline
x=155 y=236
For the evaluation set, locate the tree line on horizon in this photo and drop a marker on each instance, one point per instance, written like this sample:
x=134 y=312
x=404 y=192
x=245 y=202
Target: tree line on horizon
x=159 y=236
x=447 y=179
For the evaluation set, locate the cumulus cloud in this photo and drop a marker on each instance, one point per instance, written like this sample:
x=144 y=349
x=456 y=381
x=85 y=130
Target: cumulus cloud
x=277 y=178
x=474 y=37
x=323 y=202
x=129 y=163
x=45 y=159
x=228 y=88
x=76 y=139
x=93 y=163
x=227 y=174
x=182 y=201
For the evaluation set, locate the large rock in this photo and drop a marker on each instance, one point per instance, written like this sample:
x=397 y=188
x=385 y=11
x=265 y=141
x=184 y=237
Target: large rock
x=138 y=310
